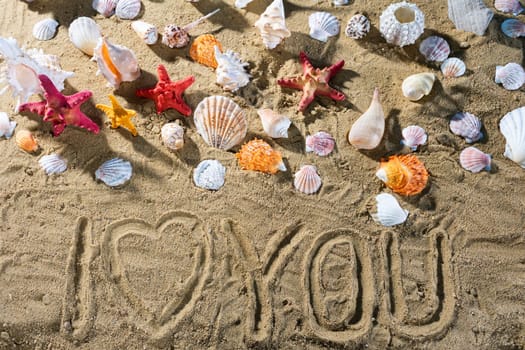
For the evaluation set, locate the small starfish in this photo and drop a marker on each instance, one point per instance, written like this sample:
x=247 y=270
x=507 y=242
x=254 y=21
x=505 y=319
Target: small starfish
x=167 y=94
x=314 y=81
x=118 y=115
x=59 y=109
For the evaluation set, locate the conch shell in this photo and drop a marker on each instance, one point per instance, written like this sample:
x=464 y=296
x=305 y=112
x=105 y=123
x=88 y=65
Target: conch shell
x=368 y=130
x=116 y=63
x=230 y=70
x=404 y=174
x=275 y=125
x=272 y=26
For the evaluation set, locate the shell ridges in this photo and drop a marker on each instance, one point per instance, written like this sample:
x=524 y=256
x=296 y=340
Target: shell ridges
x=114 y=172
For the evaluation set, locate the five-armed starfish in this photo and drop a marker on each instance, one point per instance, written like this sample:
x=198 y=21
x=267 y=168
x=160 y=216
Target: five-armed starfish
x=314 y=81
x=59 y=109
x=167 y=94
x=118 y=115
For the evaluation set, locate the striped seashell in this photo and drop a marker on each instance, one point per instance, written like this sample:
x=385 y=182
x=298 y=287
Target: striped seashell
x=404 y=174
x=53 y=164
x=202 y=50
x=389 y=212
x=453 y=67
x=402 y=23
x=434 y=48
x=127 y=9
x=357 y=27
x=257 y=155
x=474 y=160
x=413 y=137
x=84 y=33
x=45 y=29
x=105 y=7
x=418 y=85
x=513 y=28
x=470 y=15
x=172 y=136
x=323 y=25
x=321 y=143
x=509 y=6
x=307 y=180
x=145 y=31
x=511 y=76
x=275 y=125
x=466 y=125
x=115 y=62
x=209 y=174
x=114 y=172
x=26 y=141
x=512 y=126
x=7 y=127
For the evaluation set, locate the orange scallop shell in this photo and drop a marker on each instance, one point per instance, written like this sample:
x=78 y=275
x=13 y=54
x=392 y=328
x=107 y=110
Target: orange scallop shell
x=405 y=174
x=259 y=156
x=202 y=50
x=26 y=141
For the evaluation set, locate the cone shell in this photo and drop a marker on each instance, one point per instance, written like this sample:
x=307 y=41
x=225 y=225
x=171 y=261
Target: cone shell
x=414 y=136
x=513 y=28
x=53 y=164
x=147 y=32
x=307 y=180
x=175 y=36
x=259 y=156
x=275 y=125
x=402 y=23
x=474 y=160
x=26 y=141
x=368 y=130
x=116 y=63
x=418 y=85
x=466 y=125
x=389 y=212
x=7 y=127
x=404 y=174
x=453 y=67
x=511 y=76
x=509 y=6
x=434 y=48
x=105 y=7
x=357 y=27
x=172 y=136
x=512 y=126
x=209 y=174
x=84 y=33
x=114 y=172
x=323 y=25
x=127 y=9
x=202 y=50
x=45 y=29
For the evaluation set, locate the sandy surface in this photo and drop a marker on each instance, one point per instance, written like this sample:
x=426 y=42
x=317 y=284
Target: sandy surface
x=161 y=263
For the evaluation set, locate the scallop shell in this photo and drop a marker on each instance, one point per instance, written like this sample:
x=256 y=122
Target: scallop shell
x=259 y=156
x=116 y=63
x=413 y=137
x=220 y=122
x=231 y=74
x=7 y=127
x=402 y=23
x=84 y=33
x=453 y=67
x=474 y=160
x=272 y=25
x=404 y=174
x=26 y=141
x=172 y=136
x=127 y=9
x=418 y=85
x=367 y=131
x=275 y=125
x=434 y=48
x=53 y=164
x=512 y=6
x=105 y=7
x=307 y=180
x=202 y=50
x=512 y=126
x=513 y=28
x=466 y=125
x=357 y=27
x=209 y=174
x=470 y=15
x=147 y=32
x=511 y=76
x=321 y=143
x=45 y=29
x=114 y=172
x=389 y=212
x=323 y=25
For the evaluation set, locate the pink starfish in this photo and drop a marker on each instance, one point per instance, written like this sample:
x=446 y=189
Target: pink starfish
x=59 y=109
x=314 y=82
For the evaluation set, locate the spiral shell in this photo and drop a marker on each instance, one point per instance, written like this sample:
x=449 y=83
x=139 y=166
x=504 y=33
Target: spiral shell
x=172 y=136
x=357 y=27
x=321 y=143
x=401 y=23
x=474 y=160
x=127 y=9
x=231 y=74
x=147 y=32
x=434 y=48
x=389 y=212
x=202 y=50
x=418 y=85
x=84 y=33
x=115 y=62
x=26 y=141
x=275 y=125
x=512 y=126
x=466 y=125
x=453 y=67
x=209 y=174
x=105 y=7
x=175 y=36
x=404 y=174
x=272 y=25
x=114 y=172
x=323 y=25
x=307 y=180
x=511 y=76
x=257 y=155
x=413 y=137
x=53 y=164
x=45 y=29
x=7 y=127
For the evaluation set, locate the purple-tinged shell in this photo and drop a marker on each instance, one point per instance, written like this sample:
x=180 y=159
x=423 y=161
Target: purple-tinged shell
x=434 y=48
x=358 y=27
x=474 y=160
x=307 y=180
x=509 y=6
x=453 y=67
x=413 y=136
x=321 y=143
x=513 y=28
x=466 y=125
x=127 y=9
x=105 y=7
x=511 y=76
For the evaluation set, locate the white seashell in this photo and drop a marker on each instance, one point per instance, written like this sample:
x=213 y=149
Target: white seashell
x=230 y=70
x=512 y=6
x=127 y=9
x=53 y=164
x=172 y=136
x=84 y=33
x=368 y=130
x=434 y=48
x=453 y=67
x=240 y=4
x=413 y=136
x=147 y=32
x=7 y=127
x=275 y=125
x=511 y=76
x=470 y=15
x=357 y=27
x=105 y=7
x=209 y=174
x=513 y=28
x=114 y=172
x=340 y=2
x=389 y=212
x=116 y=63
x=466 y=125
x=45 y=29
x=321 y=143
x=323 y=25
x=272 y=25
x=306 y=180
x=402 y=23
x=220 y=122
x=417 y=85
x=512 y=126
x=474 y=160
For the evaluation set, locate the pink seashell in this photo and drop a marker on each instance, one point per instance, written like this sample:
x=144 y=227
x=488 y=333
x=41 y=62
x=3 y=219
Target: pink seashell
x=434 y=48
x=307 y=180
x=321 y=143
x=511 y=76
x=466 y=125
x=414 y=136
x=474 y=160
x=105 y=7
x=512 y=6
x=513 y=28
x=453 y=67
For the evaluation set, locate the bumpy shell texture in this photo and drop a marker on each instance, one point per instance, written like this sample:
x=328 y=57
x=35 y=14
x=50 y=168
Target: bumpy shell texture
x=209 y=174
x=512 y=126
x=474 y=160
x=231 y=74
x=466 y=125
x=402 y=23
x=404 y=174
x=389 y=212
x=202 y=50
x=323 y=25
x=357 y=27
x=307 y=180
x=258 y=155
x=114 y=172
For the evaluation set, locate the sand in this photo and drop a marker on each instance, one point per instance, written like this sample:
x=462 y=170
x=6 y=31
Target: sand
x=160 y=263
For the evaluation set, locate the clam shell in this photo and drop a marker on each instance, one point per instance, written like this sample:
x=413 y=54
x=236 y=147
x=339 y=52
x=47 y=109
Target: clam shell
x=389 y=212
x=470 y=15
x=209 y=174
x=453 y=67
x=513 y=28
x=53 y=164
x=231 y=74
x=275 y=125
x=474 y=160
x=26 y=141
x=127 y=9
x=114 y=172
x=417 y=85
x=115 y=62
x=172 y=136
x=307 y=180
x=321 y=143
x=367 y=131
x=466 y=125
x=258 y=155
x=404 y=174
x=202 y=50
x=434 y=48
x=84 y=33
x=413 y=137
x=220 y=122
x=145 y=31
x=45 y=29
x=509 y=6
x=323 y=25
x=272 y=25
x=402 y=23
x=512 y=126
x=357 y=27
x=511 y=76
x=105 y=7
x=7 y=127
x=175 y=36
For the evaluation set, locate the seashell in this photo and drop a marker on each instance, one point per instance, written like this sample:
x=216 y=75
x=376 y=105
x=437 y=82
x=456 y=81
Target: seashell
x=418 y=85
x=512 y=6
x=404 y=174
x=272 y=25
x=275 y=125
x=434 y=48
x=307 y=180
x=105 y=7
x=202 y=50
x=340 y=2
x=413 y=136
x=84 y=33
x=53 y=164
x=45 y=29
x=209 y=174
x=513 y=28
x=116 y=63
x=402 y=23
x=466 y=125
x=147 y=32
x=7 y=127
x=220 y=122
x=368 y=130
x=175 y=36
x=323 y=25
x=470 y=15
x=240 y=4
x=172 y=136
x=358 y=27
x=114 y=172
x=474 y=160
x=453 y=67
x=230 y=70
x=389 y=212
x=511 y=76
x=26 y=141
x=127 y=9
x=321 y=143
x=259 y=156
x=512 y=126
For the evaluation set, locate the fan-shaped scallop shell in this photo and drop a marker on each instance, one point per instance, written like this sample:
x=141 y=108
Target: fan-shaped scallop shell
x=389 y=212
x=511 y=76
x=105 y=7
x=127 y=9
x=414 y=136
x=220 y=122
x=209 y=174
x=172 y=136
x=470 y=15
x=84 y=33
x=114 y=172
x=404 y=174
x=434 y=48
x=466 y=125
x=323 y=25
x=258 y=155
x=453 y=67
x=45 y=29
x=53 y=164
x=202 y=50
x=307 y=180
x=231 y=74
x=115 y=62
x=357 y=27
x=274 y=124
x=512 y=126
x=418 y=85
x=26 y=141
x=513 y=28
x=474 y=160
x=509 y=6
x=402 y=23
x=7 y=127
x=321 y=143
x=147 y=32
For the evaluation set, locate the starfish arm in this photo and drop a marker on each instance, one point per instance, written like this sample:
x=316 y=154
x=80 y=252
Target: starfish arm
x=106 y=109
x=305 y=62
x=58 y=127
x=129 y=125
x=307 y=98
x=78 y=98
x=294 y=83
x=146 y=93
x=163 y=73
x=325 y=90
x=334 y=69
x=185 y=83
x=33 y=107
x=51 y=93
x=51 y=115
x=77 y=118
x=175 y=102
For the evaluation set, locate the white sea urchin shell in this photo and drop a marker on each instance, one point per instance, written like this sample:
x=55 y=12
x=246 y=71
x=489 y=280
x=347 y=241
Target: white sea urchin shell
x=401 y=23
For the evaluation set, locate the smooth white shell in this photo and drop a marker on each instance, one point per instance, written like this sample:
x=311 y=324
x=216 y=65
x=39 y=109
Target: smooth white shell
x=470 y=15
x=512 y=126
x=172 y=136
x=434 y=48
x=389 y=212
x=368 y=130
x=45 y=29
x=513 y=28
x=209 y=174
x=466 y=125
x=114 y=172
x=272 y=25
x=453 y=67
x=53 y=164
x=7 y=127
x=474 y=160
x=127 y=9
x=240 y=4
x=274 y=124
x=417 y=85
x=402 y=23
x=512 y=6
x=307 y=180
x=231 y=74
x=357 y=27
x=414 y=136
x=323 y=25
x=105 y=7
x=321 y=143
x=84 y=33
x=121 y=58
x=145 y=31
x=340 y=2
x=511 y=76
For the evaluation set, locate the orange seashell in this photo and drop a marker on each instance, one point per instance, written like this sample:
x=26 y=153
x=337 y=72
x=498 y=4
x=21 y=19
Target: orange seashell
x=404 y=174
x=202 y=50
x=26 y=141
x=259 y=156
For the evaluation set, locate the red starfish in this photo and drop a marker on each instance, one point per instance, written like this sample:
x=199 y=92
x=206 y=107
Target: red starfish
x=314 y=81
x=61 y=110
x=167 y=94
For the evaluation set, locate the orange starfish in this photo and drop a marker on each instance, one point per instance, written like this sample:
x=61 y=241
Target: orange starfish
x=118 y=115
